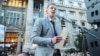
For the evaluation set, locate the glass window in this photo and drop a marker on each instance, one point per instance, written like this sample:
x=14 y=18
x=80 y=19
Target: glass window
x=18 y=15
x=79 y=4
x=58 y=2
x=61 y=2
x=73 y=24
x=1 y=19
x=37 y=5
x=14 y=15
x=50 y=1
x=11 y=37
x=17 y=3
x=83 y=23
x=17 y=22
x=7 y=20
x=81 y=15
x=72 y=14
x=62 y=23
x=17 y=19
x=71 y=3
x=12 y=18
x=62 y=13
x=22 y=23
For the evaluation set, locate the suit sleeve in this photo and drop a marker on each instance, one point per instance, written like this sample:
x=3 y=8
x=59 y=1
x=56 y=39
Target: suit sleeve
x=36 y=31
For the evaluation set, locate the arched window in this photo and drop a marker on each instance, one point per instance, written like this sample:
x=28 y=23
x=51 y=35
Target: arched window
x=62 y=23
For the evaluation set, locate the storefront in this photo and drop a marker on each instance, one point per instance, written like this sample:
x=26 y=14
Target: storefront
x=10 y=42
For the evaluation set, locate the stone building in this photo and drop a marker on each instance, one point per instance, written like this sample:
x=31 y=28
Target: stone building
x=18 y=16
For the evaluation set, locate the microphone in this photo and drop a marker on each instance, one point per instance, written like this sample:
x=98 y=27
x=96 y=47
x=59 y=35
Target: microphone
x=59 y=16
x=62 y=17
x=69 y=21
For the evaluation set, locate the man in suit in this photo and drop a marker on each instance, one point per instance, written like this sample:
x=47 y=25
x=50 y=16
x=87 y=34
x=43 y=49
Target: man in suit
x=46 y=32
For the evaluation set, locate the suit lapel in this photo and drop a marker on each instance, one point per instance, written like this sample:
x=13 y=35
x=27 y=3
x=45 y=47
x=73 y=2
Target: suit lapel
x=50 y=25
x=57 y=27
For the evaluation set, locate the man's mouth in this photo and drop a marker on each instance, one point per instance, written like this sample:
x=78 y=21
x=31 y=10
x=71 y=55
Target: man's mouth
x=53 y=12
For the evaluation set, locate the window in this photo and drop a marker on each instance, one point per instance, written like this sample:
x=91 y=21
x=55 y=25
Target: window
x=83 y=23
x=38 y=8
x=17 y=19
x=72 y=14
x=81 y=15
x=61 y=13
x=79 y=4
x=11 y=37
x=60 y=2
x=56 y=1
x=62 y=23
x=1 y=19
x=50 y=1
x=73 y=24
x=71 y=3
x=22 y=23
x=89 y=0
x=17 y=3
x=14 y=18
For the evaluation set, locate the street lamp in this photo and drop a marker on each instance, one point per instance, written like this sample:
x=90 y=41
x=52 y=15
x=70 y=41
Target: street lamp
x=4 y=3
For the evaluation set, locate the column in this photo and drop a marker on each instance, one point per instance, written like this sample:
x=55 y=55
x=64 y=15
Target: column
x=0 y=4
x=45 y=7
x=29 y=23
x=19 y=43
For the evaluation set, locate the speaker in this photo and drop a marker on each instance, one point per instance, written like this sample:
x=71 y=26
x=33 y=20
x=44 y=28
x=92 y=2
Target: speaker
x=93 y=11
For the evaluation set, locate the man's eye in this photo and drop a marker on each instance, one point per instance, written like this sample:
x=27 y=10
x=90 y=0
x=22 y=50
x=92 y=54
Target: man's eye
x=53 y=8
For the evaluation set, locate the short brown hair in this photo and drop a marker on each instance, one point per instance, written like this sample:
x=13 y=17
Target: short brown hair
x=51 y=4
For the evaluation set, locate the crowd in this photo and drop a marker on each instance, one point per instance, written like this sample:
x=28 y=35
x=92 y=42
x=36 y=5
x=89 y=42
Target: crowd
x=56 y=53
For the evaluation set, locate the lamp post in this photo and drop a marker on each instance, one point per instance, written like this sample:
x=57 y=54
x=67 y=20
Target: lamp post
x=4 y=3
x=0 y=4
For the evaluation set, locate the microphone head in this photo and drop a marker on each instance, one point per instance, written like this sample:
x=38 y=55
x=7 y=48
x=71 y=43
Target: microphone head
x=61 y=17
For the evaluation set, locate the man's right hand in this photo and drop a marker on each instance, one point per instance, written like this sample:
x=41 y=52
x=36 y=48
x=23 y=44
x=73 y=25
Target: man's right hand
x=56 y=39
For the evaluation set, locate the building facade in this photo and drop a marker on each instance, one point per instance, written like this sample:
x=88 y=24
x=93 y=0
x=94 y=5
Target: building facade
x=19 y=15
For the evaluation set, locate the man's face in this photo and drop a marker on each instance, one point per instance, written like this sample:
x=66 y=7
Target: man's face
x=51 y=10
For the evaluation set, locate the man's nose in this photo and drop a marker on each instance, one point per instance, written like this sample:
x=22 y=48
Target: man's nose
x=54 y=9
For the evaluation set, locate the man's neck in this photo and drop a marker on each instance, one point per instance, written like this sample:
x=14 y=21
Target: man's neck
x=52 y=18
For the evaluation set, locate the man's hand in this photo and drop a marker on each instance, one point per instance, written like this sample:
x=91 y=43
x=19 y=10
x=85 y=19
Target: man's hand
x=65 y=41
x=56 y=39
